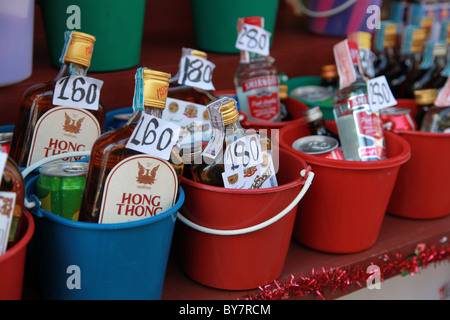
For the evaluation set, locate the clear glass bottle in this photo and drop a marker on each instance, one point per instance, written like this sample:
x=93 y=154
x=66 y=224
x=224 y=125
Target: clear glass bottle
x=12 y=193
x=210 y=170
x=316 y=124
x=424 y=99
x=256 y=83
x=44 y=129
x=359 y=127
x=385 y=46
x=120 y=179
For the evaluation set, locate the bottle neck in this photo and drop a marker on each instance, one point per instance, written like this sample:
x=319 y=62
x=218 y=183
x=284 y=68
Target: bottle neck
x=71 y=68
x=153 y=111
x=233 y=131
x=251 y=57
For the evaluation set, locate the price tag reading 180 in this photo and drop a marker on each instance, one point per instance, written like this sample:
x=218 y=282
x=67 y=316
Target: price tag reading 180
x=154 y=136
x=254 y=39
x=196 y=72
x=380 y=94
x=243 y=153
x=77 y=91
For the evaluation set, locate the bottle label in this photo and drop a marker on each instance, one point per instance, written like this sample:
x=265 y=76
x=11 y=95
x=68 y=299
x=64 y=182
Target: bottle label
x=62 y=130
x=138 y=187
x=193 y=118
x=370 y=134
x=260 y=98
x=7 y=203
x=428 y=56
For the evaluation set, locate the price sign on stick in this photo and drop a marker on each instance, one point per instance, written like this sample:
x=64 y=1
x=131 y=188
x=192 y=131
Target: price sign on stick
x=78 y=91
x=196 y=72
x=380 y=94
x=154 y=136
x=254 y=39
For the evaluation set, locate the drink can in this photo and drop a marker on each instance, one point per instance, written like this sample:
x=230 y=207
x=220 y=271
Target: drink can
x=397 y=118
x=5 y=141
x=60 y=188
x=321 y=146
x=312 y=93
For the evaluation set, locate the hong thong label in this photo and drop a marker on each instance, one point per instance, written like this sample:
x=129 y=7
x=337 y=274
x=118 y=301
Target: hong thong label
x=7 y=203
x=138 y=187
x=61 y=130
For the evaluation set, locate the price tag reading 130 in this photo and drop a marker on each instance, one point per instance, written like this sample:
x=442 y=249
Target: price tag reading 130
x=379 y=93
x=154 y=136
x=196 y=72
x=254 y=39
x=77 y=91
x=243 y=153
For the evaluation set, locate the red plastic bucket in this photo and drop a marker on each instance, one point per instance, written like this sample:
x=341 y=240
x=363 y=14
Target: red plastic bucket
x=344 y=209
x=422 y=190
x=238 y=239
x=12 y=262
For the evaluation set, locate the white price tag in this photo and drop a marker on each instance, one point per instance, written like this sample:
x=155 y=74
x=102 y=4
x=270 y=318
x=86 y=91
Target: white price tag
x=196 y=72
x=443 y=97
x=380 y=94
x=77 y=91
x=154 y=136
x=243 y=153
x=3 y=158
x=253 y=39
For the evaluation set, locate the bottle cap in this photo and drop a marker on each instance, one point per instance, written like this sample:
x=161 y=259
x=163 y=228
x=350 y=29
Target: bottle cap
x=229 y=112
x=156 y=86
x=440 y=49
x=329 y=71
x=198 y=53
x=427 y=23
x=418 y=39
x=79 y=49
x=425 y=96
x=363 y=39
x=390 y=35
x=313 y=114
x=283 y=88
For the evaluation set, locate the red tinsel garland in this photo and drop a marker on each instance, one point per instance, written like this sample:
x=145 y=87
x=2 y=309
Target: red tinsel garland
x=322 y=282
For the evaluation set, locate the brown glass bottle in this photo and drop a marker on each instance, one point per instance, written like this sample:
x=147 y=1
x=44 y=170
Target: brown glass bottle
x=37 y=103
x=385 y=44
x=329 y=77
x=316 y=124
x=210 y=172
x=285 y=116
x=109 y=149
x=425 y=100
x=12 y=182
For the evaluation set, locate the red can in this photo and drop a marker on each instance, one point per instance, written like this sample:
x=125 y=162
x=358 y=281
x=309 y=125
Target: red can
x=321 y=146
x=5 y=141
x=397 y=118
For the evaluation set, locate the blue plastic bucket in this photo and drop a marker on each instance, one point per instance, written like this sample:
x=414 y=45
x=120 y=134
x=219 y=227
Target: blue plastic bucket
x=117 y=261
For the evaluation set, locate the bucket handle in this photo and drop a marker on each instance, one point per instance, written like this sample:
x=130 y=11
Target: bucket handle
x=31 y=204
x=307 y=184
x=324 y=14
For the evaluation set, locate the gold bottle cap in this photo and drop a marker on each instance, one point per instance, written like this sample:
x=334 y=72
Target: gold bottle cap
x=363 y=39
x=329 y=72
x=80 y=48
x=390 y=35
x=313 y=114
x=440 y=49
x=427 y=23
x=229 y=112
x=283 y=88
x=156 y=86
x=418 y=39
x=198 y=53
x=425 y=96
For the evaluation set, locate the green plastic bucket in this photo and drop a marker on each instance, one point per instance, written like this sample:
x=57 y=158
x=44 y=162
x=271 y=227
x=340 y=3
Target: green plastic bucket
x=215 y=21
x=325 y=106
x=117 y=26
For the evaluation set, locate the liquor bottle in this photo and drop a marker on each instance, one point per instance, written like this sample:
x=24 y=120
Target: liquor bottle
x=424 y=99
x=216 y=168
x=433 y=63
x=329 y=77
x=359 y=127
x=438 y=81
x=385 y=46
x=125 y=184
x=44 y=129
x=411 y=51
x=256 y=82
x=12 y=192
x=366 y=57
x=437 y=118
x=316 y=124
x=285 y=116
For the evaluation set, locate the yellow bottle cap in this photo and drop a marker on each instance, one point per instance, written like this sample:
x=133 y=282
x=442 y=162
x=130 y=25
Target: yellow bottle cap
x=198 y=53
x=229 y=112
x=156 y=86
x=425 y=96
x=79 y=49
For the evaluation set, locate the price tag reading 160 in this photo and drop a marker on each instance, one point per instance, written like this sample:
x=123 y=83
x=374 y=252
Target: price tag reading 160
x=77 y=91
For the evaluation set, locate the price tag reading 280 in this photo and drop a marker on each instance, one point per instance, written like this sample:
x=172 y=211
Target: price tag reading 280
x=243 y=153
x=254 y=39
x=379 y=93
x=77 y=91
x=154 y=136
x=196 y=72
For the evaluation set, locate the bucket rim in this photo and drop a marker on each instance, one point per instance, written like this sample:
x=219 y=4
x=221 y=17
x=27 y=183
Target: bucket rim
x=397 y=160
x=106 y=226
x=23 y=242
x=292 y=184
x=417 y=133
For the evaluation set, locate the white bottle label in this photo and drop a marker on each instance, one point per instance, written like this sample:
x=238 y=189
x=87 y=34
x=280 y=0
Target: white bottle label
x=62 y=130
x=7 y=203
x=138 y=187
